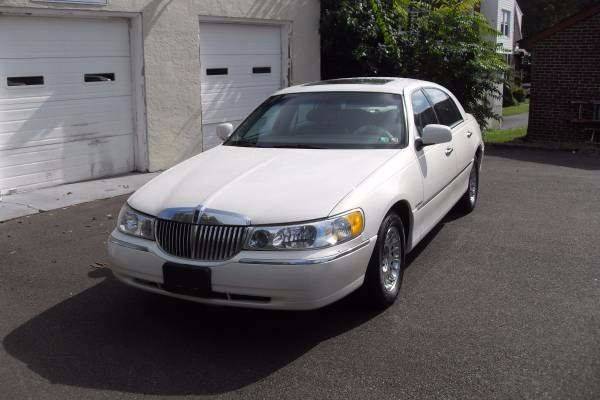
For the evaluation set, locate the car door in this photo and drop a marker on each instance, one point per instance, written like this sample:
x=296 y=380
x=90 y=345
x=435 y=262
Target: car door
x=449 y=114
x=437 y=163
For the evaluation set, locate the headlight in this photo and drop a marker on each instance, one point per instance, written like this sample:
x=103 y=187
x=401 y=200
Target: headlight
x=311 y=235
x=134 y=223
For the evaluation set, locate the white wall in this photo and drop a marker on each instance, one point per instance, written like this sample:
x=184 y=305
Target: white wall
x=506 y=41
x=170 y=51
x=492 y=10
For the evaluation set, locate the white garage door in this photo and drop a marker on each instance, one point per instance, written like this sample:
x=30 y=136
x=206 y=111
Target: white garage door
x=241 y=67
x=65 y=100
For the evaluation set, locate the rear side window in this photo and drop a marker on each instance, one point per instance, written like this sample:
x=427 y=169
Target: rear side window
x=423 y=111
x=445 y=108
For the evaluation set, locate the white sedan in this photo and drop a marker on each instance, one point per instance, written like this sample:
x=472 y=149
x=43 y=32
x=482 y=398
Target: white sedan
x=321 y=191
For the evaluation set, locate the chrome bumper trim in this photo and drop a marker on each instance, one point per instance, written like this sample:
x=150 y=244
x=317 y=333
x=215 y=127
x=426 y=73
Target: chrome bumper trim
x=114 y=240
x=301 y=261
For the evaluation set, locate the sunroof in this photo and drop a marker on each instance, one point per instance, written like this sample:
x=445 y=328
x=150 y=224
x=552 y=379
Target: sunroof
x=352 y=81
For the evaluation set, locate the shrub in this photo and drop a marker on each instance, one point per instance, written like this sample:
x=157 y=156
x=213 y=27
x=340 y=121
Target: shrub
x=519 y=94
x=507 y=98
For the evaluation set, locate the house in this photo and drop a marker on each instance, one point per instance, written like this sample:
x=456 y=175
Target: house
x=507 y=18
x=565 y=80
x=94 y=88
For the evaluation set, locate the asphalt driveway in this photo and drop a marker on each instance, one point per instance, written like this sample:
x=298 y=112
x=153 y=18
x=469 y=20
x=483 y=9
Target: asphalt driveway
x=503 y=303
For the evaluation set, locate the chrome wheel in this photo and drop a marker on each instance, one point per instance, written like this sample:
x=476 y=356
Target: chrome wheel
x=473 y=185
x=391 y=259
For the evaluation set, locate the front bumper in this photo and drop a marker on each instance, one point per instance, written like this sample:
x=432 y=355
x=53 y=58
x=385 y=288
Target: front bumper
x=294 y=280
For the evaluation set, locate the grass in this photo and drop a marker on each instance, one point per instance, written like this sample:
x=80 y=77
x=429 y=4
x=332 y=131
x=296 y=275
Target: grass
x=514 y=110
x=499 y=136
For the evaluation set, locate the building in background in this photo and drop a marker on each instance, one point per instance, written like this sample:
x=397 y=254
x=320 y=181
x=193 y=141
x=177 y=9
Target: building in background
x=565 y=80
x=94 y=88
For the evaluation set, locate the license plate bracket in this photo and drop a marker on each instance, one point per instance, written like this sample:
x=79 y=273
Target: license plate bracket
x=187 y=279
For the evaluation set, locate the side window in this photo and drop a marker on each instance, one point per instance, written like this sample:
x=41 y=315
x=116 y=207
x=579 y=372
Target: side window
x=424 y=114
x=444 y=107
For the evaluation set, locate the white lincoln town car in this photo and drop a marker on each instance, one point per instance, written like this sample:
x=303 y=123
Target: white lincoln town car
x=322 y=190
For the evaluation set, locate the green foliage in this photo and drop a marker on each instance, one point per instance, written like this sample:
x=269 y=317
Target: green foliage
x=444 y=41
x=507 y=97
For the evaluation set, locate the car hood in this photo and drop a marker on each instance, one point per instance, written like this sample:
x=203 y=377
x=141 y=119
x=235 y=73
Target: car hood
x=266 y=185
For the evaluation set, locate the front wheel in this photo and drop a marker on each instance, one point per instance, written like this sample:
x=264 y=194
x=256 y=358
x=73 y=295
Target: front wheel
x=468 y=202
x=386 y=267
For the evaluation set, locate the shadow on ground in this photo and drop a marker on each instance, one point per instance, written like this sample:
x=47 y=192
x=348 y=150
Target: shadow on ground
x=117 y=338
x=552 y=157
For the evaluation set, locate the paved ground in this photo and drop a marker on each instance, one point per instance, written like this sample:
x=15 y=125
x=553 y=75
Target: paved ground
x=16 y=205
x=503 y=303
x=515 y=121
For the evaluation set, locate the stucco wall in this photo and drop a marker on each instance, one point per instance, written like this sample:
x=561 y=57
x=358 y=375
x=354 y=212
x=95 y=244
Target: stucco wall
x=172 y=65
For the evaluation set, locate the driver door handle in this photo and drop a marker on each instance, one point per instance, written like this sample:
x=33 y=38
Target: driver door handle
x=469 y=134
x=449 y=150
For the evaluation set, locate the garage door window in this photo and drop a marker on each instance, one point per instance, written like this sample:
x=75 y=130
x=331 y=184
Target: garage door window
x=104 y=77
x=261 y=70
x=216 y=71
x=25 y=81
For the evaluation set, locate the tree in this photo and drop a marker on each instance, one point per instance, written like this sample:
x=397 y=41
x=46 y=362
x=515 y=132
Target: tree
x=444 y=41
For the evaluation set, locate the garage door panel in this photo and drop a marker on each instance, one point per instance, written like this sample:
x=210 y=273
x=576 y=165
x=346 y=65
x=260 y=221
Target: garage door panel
x=234 y=106
x=58 y=37
x=37 y=50
x=68 y=66
x=239 y=39
x=113 y=106
x=62 y=134
x=79 y=153
x=65 y=129
x=241 y=63
x=71 y=162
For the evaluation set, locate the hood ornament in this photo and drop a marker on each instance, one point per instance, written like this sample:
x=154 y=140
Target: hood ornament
x=203 y=216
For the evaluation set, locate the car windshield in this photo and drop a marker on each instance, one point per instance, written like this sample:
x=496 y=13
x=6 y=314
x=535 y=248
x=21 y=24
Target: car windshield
x=325 y=120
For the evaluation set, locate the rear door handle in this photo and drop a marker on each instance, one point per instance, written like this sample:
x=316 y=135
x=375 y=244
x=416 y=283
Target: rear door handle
x=469 y=134
x=449 y=151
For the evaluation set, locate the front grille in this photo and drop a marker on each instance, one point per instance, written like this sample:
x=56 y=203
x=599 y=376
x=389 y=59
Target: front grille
x=199 y=242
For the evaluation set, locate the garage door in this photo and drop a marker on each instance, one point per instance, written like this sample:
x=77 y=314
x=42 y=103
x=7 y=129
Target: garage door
x=65 y=101
x=241 y=67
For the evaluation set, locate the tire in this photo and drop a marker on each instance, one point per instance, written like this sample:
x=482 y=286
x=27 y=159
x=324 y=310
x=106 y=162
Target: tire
x=468 y=201
x=382 y=283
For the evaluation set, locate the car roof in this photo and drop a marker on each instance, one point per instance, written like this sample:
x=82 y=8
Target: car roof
x=359 y=84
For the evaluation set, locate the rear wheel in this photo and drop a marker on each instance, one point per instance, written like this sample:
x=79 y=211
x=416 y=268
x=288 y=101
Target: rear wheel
x=386 y=267
x=468 y=202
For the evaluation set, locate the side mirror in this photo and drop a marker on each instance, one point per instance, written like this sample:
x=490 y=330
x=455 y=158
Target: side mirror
x=224 y=131
x=435 y=134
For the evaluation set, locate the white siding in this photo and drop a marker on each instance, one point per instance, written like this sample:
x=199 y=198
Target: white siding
x=506 y=41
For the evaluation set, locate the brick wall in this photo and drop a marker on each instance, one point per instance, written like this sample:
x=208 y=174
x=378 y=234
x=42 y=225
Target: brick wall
x=566 y=68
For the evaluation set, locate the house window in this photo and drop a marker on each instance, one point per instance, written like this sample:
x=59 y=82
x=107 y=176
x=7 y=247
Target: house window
x=505 y=23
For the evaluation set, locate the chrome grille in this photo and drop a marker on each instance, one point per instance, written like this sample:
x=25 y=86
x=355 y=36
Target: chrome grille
x=199 y=242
